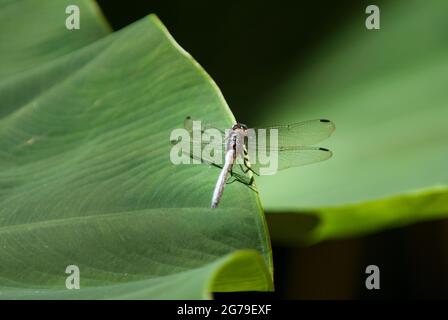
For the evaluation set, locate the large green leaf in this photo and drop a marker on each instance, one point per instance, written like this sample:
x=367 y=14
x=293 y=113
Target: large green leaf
x=386 y=91
x=85 y=176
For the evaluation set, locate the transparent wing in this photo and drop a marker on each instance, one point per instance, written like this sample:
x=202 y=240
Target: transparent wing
x=294 y=157
x=291 y=150
x=300 y=134
x=208 y=147
x=188 y=124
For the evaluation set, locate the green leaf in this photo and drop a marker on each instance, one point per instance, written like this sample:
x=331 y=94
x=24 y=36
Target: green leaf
x=301 y=227
x=85 y=173
x=386 y=92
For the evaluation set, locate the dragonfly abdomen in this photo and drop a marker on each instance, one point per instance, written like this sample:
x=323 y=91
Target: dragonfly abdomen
x=219 y=187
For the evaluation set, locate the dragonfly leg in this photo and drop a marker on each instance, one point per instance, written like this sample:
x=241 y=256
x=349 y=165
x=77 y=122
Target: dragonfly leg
x=244 y=168
x=232 y=179
x=234 y=175
x=241 y=179
x=246 y=162
x=248 y=168
x=251 y=184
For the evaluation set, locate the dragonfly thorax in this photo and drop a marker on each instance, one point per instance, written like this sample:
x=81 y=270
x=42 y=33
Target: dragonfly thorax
x=235 y=139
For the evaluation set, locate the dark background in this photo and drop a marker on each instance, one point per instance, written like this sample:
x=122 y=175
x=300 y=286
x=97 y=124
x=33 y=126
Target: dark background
x=247 y=47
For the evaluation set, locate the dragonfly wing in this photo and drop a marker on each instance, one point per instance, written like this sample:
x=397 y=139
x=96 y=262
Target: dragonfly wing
x=207 y=145
x=300 y=156
x=301 y=133
x=295 y=157
x=188 y=124
x=291 y=149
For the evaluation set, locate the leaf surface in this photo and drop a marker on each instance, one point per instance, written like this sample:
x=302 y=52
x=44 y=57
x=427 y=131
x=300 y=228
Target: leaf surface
x=85 y=171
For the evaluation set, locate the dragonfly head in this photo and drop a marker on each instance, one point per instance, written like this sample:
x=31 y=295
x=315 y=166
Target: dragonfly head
x=239 y=126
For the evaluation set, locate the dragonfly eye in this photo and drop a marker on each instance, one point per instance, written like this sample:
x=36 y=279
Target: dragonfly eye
x=239 y=126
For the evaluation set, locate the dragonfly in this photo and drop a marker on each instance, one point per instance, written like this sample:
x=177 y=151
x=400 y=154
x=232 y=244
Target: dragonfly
x=293 y=149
